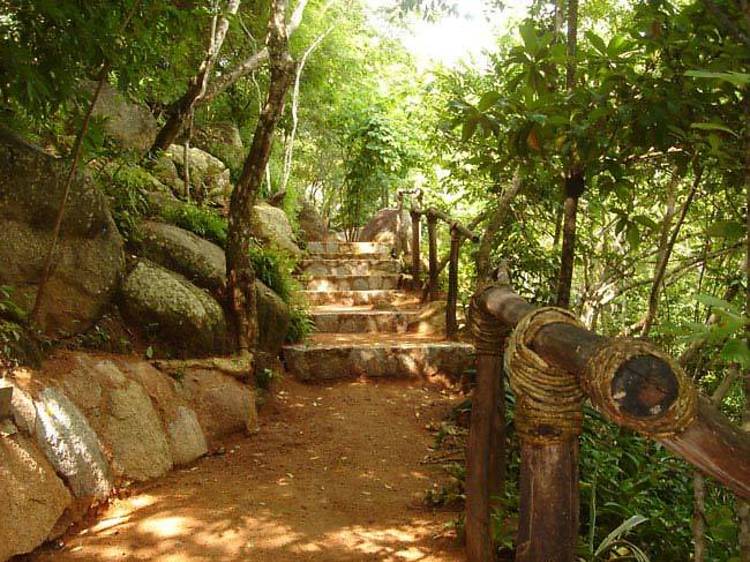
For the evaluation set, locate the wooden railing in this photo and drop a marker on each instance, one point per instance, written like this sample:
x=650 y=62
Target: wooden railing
x=632 y=383
x=458 y=234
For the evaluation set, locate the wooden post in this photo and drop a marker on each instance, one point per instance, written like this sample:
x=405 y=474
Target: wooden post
x=485 y=447
x=432 y=289
x=548 y=526
x=416 y=258
x=451 y=324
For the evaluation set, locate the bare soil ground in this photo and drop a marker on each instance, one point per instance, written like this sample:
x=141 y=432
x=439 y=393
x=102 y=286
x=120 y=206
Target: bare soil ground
x=335 y=474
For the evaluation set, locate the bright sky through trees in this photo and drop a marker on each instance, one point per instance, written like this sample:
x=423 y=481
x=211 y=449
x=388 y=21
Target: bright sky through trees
x=453 y=39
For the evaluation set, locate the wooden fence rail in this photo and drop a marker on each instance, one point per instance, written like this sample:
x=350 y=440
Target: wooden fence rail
x=631 y=383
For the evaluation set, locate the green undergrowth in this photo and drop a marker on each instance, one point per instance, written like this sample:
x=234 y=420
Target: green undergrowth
x=636 y=498
x=206 y=223
x=275 y=269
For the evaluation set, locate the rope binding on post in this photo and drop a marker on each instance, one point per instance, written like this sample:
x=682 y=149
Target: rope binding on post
x=549 y=400
x=488 y=333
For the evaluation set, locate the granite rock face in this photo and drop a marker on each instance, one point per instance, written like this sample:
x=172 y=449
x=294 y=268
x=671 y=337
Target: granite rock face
x=88 y=260
x=33 y=497
x=183 y=314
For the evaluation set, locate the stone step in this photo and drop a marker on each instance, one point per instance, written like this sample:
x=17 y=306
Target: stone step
x=363 y=321
x=336 y=356
x=356 y=266
x=348 y=249
x=351 y=282
x=375 y=298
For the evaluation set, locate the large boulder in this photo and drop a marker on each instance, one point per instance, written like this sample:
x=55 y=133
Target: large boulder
x=312 y=226
x=273 y=319
x=209 y=177
x=184 y=433
x=130 y=125
x=271 y=226
x=223 y=405
x=33 y=497
x=223 y=140
x=202 y=262
x=88 y=259
x=389 y=226
x=183 y=314
x=122 y=415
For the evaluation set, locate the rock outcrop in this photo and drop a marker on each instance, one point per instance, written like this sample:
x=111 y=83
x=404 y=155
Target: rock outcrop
x=130 y=125
x=87 y=424
x=209 y=176
x=88 y=258
x=33 y=497
x=203 y=263
x=271 y=226
x=175 y=248
x=182 y=314
x=312 y=226
x=391 y=227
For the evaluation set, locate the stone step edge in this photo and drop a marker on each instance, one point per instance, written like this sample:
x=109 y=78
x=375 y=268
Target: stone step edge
x=302 y=347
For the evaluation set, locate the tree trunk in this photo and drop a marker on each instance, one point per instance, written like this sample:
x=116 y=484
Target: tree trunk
x=574 y=186
x=289 y=152
x=240 y=273
x=743 y=509
x=664 y=254
x=494 y=225
x=254 y=61
x=180 y=110
x=574 y=177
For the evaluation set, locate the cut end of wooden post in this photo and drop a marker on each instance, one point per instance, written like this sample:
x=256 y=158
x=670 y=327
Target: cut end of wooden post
x=644 y=387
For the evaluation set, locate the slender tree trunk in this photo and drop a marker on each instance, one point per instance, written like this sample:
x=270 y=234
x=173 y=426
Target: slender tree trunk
x=75 y=160
x=254 y=61
x=180 y=111
x=664 y=254
x=240 y=273
x=743 y=507
x=497 y=219
x=289 y=152
x=574 y=178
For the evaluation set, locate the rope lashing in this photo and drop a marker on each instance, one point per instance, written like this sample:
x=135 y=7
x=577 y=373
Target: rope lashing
x=608 y=390
x=549 y=400
x=488 y=333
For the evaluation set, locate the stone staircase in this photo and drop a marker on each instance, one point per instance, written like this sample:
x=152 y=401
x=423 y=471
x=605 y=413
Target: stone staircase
x=363 y=320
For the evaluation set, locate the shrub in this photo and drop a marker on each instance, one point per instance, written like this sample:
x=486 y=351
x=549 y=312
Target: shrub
x=126 y=188
x=274 y=268
x=203 y=222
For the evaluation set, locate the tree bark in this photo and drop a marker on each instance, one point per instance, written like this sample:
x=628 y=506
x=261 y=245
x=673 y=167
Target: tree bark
x=181 y=109
x=574 y=177
x=289 y=152
x=497 y=219
x=743 y=509
x=240 y=273
x=254 y=61
x=661 y=266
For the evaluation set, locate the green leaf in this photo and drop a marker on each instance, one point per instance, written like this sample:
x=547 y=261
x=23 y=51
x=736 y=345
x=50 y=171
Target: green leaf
x=597 y=42
x=726 y=229
x=713 y=126
x=633 y=235
x=738 y=79
x=488 y=100
x=469 y=128
x=624 y=528
x=529 y=36
x=736 y=351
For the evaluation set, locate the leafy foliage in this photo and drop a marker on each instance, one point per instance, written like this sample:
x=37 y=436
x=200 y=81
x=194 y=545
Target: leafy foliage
x=198 y=220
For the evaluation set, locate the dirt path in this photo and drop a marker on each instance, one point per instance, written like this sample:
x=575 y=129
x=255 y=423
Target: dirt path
x=332 y=476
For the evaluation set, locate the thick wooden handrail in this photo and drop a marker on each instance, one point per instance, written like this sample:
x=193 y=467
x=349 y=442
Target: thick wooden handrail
x=643 y=390
x=711 y=442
